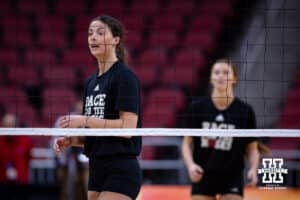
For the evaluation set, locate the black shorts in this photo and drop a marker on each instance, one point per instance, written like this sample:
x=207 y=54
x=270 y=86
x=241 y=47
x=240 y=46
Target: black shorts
x=213 y=184
x=117 y=174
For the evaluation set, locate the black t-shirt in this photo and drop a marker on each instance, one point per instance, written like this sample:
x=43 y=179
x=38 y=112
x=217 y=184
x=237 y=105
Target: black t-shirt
x=105 y=96
x=220 y=154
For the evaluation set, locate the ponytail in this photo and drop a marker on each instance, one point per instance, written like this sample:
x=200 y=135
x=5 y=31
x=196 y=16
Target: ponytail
x=121 y=52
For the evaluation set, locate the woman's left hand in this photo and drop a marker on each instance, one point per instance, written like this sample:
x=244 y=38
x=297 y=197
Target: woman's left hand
x=71 y=121
x=252 y=177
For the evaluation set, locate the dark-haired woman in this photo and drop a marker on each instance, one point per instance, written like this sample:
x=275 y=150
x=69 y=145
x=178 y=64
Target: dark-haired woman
x=111 y=100
x=215 y=164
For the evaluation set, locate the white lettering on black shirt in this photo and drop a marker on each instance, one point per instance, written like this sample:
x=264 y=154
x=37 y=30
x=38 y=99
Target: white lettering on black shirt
x=97 y=103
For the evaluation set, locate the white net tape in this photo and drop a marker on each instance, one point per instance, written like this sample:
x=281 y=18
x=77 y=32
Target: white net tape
x=151 y=132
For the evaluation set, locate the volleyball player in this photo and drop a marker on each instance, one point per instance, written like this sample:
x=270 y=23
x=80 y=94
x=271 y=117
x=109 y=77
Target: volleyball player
x=111 y=100
x=215 y=164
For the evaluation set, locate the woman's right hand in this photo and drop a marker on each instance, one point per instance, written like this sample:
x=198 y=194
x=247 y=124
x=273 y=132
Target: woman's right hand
x=195 y=172
x=61 y=143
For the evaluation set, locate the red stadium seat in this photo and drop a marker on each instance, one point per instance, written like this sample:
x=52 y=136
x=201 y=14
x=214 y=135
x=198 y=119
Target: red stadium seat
x=144 y=8
x=5 y=7
x=179 y=7
x=16 y=32
x=81 y=39
x=51 y=40
x=190 y=58
x=79 y=58
x=51 y=23
x=165 y=97
x=82 y=23
x=203 y=40
x=32 y=7
x=22 y=76
x=8 y=57
x=284 y=143
x=59 y=76
x=185 y=77
x=162 y=106
x=11 y=95
x=207 y=22
x=167 y=23
x=113 y=8
x=133 y=23
x=68 y=7
x=59 y=95
x=146 y=1
x=39 y=57
x=133 y=39
x=219 y=7
x=159 y=116
x=15 y=23
x=53 y=110
x=13 y=38
x=152 y=57
x=147 y=75
x=24 y=111
x=163 y=40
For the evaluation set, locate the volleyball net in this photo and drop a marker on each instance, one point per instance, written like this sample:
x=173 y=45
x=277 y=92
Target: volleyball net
x=290 y=133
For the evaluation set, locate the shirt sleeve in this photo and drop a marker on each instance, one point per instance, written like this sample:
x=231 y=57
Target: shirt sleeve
x=128 y=93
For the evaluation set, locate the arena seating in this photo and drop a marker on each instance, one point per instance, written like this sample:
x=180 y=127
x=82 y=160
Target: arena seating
x=44 y=43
